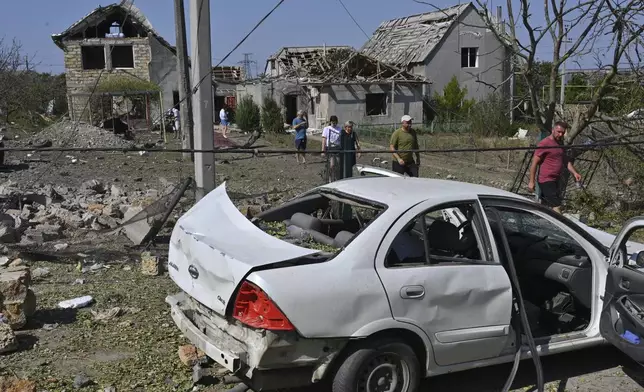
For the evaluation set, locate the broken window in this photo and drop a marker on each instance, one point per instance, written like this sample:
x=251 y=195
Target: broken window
x=93 y=57
x=272 y=65
x=469 y=57
x=376 y=104
x=122 y=56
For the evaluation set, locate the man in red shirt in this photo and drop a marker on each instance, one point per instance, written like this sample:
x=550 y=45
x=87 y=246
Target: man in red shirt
x=551 y=162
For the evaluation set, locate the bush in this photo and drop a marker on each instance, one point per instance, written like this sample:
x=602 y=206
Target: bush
x=489 y=118
x=272 y=121
x=247 y=115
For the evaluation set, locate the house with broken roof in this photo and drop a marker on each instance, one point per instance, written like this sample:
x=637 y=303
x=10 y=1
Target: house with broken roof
x=337 y=80
x=119 y=40
x=441 y=44
x=225 y=79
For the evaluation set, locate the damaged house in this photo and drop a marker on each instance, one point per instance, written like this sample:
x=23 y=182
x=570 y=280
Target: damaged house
x=337 y=80
x=225 y=79
x=118 y=40
x=445 y=43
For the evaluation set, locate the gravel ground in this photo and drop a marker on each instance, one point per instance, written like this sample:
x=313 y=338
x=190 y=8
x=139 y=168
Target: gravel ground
x=137 y=351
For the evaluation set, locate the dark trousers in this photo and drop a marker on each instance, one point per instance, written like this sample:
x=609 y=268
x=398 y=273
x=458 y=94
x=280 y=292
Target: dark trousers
x=411 y=169
x=550 y=193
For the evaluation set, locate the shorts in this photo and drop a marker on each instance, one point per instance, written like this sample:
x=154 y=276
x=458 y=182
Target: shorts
x=550 y=194
x=224 y=122
x=300 y=144
x=411 y=169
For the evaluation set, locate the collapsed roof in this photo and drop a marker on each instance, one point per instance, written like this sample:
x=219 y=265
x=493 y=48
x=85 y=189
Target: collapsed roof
x=228 y=73
x=409 y=40
x=337 y=65
x=98 y=24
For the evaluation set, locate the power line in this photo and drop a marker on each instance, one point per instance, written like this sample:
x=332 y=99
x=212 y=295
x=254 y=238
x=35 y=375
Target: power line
x=354 y=19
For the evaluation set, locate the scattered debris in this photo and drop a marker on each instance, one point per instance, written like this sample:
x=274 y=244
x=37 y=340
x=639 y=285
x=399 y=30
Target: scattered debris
x=50 y=327
x=4 y=261
x=80 y=135
x=106 y=315
x=150 y=264
x=230 y=379
x=17 y=301
x=198 y=373
x=76 y=303
x=40 y=273
x=78 y=281
x=82 y=381
x=60 y=247
x=8 y=341
x=191 y=355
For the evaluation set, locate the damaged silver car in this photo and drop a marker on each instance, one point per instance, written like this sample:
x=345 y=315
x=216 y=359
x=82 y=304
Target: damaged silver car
x=372 y=283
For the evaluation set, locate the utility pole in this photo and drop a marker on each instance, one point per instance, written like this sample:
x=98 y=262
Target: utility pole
x=203 y=108
x=562 y=97
x=184 y=79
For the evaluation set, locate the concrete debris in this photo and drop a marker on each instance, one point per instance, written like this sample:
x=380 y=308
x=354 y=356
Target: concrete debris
x=4 y=261
x=8 y=341
x=135 y=231
x=76 y=303
x=150 y=265
x=50 y=327
x=59 y=247
x=16 y=385
x=190 y=355
x=17 y=301
x=71 y=134
x=82 y=381
x=40 y=273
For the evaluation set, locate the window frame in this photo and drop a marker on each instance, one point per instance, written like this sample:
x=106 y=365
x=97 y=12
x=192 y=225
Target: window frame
x=469 y=50
x=384 y=101
x=82 y=55
x=111 y=51
x=482 y=237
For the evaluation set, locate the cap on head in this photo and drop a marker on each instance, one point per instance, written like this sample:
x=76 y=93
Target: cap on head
x=406 y=117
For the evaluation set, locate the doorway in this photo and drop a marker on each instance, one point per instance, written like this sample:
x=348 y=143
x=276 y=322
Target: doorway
x=290 y=103
x=219 y=103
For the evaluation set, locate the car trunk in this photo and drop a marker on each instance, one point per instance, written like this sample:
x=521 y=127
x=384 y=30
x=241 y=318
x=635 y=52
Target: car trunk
x=213 y=247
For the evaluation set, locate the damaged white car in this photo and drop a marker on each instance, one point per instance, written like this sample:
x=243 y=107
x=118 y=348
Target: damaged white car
x=372 y=283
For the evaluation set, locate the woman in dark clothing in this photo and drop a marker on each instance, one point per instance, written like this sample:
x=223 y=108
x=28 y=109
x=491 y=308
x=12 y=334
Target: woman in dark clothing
x=349 y=142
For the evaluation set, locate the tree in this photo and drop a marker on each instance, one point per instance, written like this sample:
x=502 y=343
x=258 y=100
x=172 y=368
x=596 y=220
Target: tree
x=452 y=104
x=248 y=116
x=271 y=118
x=589 y=25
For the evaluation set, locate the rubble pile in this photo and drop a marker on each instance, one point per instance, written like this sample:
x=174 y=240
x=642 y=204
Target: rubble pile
x=52 y=213
x=70 y=134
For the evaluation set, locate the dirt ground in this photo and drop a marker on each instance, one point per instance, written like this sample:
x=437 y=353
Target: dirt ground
x=137 y=350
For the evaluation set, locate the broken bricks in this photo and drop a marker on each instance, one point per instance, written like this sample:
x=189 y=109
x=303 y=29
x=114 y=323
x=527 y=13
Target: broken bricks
x=16 y=385
x=17 y=301
x=8 y=341
x=150 y=264
x=191 y=355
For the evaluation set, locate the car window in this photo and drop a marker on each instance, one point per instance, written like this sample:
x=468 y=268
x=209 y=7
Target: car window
x=532 y=236
x=446 y=235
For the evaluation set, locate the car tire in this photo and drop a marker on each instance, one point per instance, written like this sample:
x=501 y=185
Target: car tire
x=388 y=361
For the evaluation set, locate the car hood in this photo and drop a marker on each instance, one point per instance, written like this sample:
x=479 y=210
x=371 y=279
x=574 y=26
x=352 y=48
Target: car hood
x=213 y=247
x=605 y=238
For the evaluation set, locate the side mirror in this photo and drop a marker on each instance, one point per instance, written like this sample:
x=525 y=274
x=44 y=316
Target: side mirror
x=639 y=259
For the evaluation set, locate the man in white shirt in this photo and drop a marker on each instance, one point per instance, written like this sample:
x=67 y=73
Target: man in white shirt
x=223 y=117
x=331 y=141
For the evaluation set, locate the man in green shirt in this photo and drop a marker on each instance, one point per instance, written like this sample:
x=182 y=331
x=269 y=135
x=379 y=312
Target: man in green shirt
x=405 y=138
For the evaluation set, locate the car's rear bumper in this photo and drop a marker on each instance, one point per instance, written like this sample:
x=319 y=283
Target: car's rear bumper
x=263 y=359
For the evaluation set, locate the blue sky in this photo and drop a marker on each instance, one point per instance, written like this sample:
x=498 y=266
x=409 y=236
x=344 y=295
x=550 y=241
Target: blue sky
x=296 y=22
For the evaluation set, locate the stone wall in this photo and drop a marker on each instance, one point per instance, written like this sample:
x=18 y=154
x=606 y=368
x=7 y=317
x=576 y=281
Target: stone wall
x=81 y=80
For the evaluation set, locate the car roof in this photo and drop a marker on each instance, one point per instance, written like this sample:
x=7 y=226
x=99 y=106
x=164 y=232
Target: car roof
x=395 y=190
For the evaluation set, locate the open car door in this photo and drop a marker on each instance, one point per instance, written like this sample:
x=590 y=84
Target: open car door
x=622 y=318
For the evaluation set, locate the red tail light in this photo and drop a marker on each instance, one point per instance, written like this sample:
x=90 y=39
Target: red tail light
x=255 y=309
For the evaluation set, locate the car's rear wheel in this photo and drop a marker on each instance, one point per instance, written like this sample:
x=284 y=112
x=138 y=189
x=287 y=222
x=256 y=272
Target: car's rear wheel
x=379 y=366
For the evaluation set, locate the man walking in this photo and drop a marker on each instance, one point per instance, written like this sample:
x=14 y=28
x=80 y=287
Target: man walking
x=551 y=162
x=331 y=142
x=300 y=125
x=405 y=138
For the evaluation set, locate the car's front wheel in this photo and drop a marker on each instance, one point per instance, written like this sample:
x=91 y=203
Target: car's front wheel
x=379 y=366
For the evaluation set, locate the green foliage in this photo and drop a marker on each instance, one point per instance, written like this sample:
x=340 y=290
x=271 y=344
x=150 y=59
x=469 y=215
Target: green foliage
x=271 y=116
x=125 y=83
x=488 y=117
x=248 y=117
x=452 y=104
x=578 y=89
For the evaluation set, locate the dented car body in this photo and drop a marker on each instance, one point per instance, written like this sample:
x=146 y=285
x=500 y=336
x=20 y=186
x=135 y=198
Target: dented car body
x=372 y=283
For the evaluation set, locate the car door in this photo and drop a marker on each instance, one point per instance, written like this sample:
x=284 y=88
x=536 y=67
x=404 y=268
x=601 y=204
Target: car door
x=622 y=317
x=464 y=305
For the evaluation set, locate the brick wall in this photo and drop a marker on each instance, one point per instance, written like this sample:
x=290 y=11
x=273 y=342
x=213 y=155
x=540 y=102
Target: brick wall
x=81 y=80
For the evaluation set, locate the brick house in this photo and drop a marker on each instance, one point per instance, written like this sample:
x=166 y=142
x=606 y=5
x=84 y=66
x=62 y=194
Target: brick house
x=116 y=40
